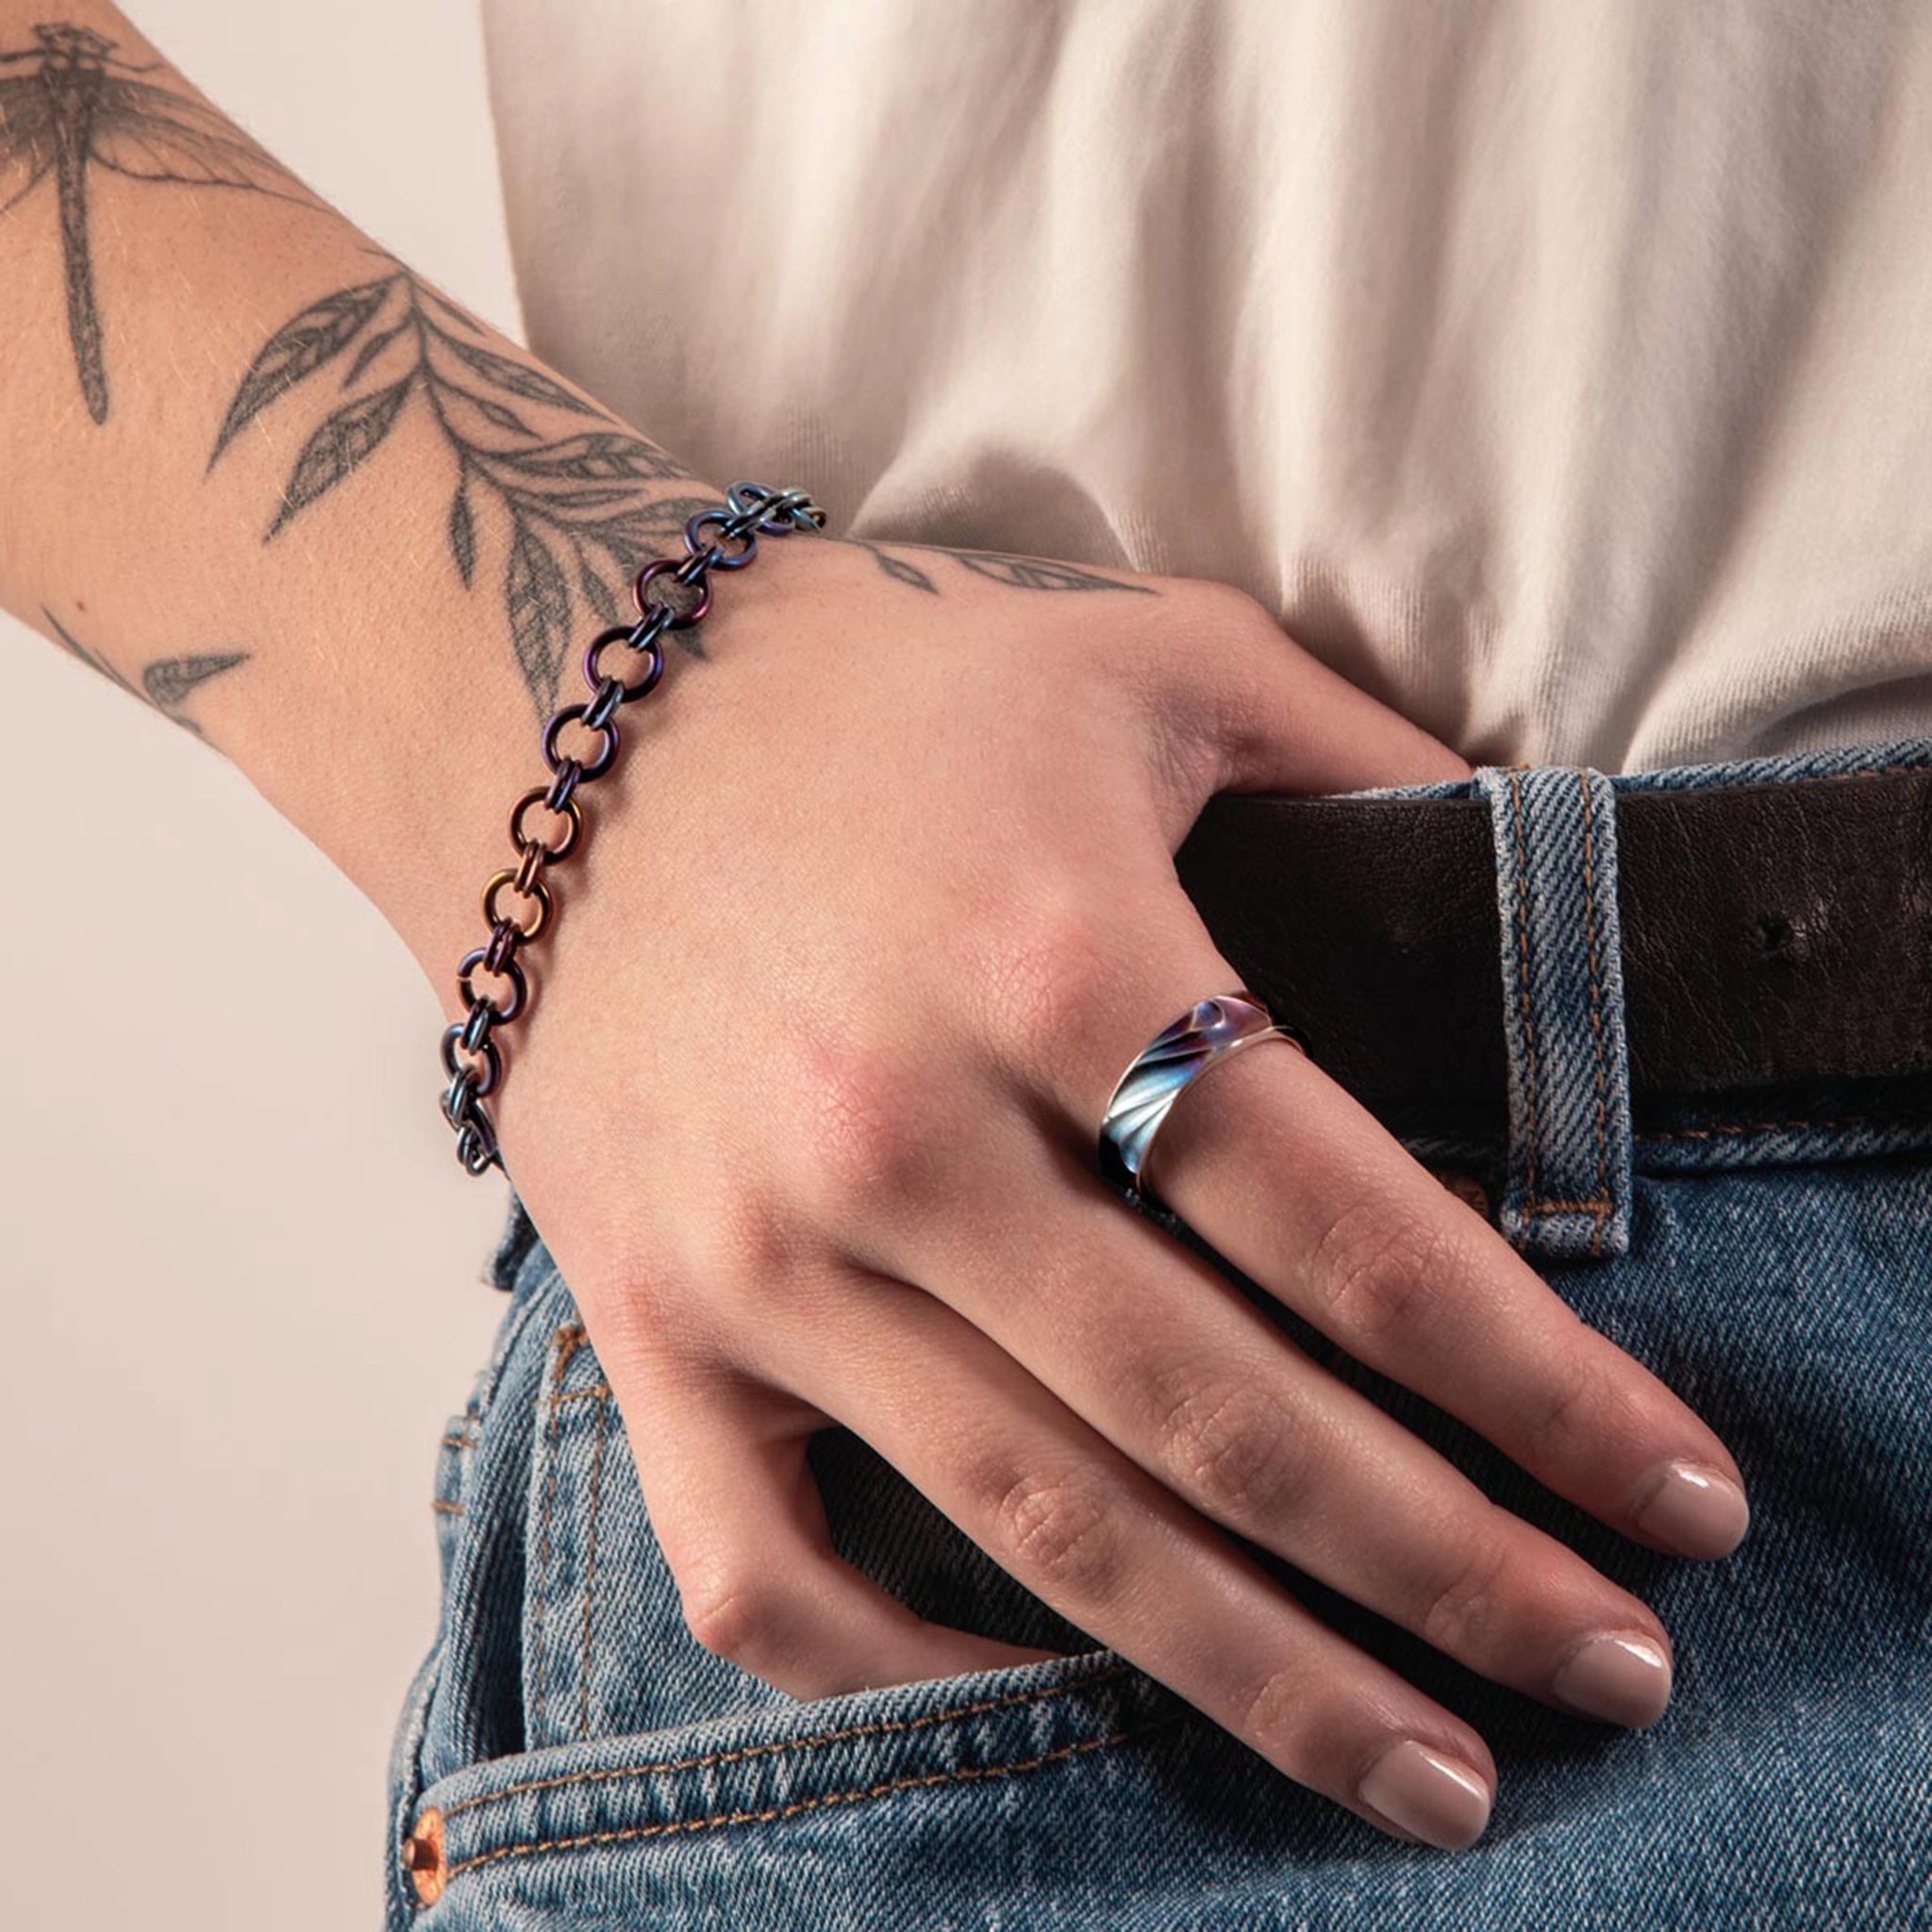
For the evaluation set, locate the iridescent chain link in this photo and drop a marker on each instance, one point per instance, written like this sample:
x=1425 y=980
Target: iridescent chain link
x=725 y=539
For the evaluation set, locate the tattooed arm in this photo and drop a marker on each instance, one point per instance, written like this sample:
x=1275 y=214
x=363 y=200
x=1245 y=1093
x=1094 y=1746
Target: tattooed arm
x=258 y=471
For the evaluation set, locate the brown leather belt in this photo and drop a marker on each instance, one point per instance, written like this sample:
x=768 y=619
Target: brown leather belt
x=1773 y=934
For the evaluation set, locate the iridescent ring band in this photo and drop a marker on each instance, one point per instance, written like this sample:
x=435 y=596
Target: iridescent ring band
x=1178 y=1054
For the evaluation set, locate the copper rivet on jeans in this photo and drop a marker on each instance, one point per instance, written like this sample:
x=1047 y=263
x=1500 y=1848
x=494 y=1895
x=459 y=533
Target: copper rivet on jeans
x=422 y=1852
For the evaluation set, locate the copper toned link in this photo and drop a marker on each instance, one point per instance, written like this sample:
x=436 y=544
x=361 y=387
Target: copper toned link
x=539 y=894
x=532 y=864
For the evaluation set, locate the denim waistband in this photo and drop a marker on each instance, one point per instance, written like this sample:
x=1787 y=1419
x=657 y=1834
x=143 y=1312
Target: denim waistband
x=1566 y=1173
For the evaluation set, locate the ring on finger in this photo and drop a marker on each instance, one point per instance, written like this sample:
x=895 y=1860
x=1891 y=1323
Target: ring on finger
x=1176 y=1057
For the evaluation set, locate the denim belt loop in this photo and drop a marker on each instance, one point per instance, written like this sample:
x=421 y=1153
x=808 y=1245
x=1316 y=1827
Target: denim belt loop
x=1567 y=1193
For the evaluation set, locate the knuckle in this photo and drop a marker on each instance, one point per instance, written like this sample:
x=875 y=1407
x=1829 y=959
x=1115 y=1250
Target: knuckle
x=1219 y=604
x=1058 y=1529
x=1049 y=975
x=733 y=1615
x=740 y=1244
x=1235 y=1447
x=1460 y=1616
x=1288 y=1716
x=1380 y=1269
x=870 y=1131
x=1571 y=1424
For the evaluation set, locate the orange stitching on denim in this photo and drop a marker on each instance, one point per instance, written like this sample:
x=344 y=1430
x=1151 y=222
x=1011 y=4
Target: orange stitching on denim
x=1596 y=1018
x=596 y=1391
x=1598 y=1205
x=879 y=1729
x=603 y=1429
x=460 y=1442
x=566 y=1340
x=964 y=1774
x=442 y=1508
x=1523 y=990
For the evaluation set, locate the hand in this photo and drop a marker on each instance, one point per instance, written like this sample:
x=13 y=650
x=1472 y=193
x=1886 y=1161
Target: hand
x=874 y=912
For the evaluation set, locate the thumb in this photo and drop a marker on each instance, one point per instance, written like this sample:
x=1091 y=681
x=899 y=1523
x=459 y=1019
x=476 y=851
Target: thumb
x=1300 y=726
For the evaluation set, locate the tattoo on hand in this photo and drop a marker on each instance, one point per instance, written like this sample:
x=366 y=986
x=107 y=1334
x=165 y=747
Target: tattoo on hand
x=167 y=684
x=74 y=107
x=1017 y=573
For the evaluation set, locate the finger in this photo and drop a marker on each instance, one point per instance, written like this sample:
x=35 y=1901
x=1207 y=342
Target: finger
x=1282 y=1171
x=737 y=1511
x=1297 y=1184
x=1155 y=1348
x=1125 y=1559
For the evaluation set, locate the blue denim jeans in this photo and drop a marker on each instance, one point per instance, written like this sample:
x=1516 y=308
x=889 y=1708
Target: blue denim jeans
x=580 y=1761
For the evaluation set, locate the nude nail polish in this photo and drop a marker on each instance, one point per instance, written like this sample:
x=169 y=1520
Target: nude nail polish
x=1695 y=1510
x=1436 y=1797
x=1624 y=1677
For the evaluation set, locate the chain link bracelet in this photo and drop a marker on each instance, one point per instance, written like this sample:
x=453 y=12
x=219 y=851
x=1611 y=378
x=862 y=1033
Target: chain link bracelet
x=724 y=538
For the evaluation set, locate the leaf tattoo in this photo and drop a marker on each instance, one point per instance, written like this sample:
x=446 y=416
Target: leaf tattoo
x=1016 y=573
x=167 y=684
x=463 y=533
x=1039 y=573
x=896 y=567
x=595 y=458
x=171 y=682
x=299 y=348
x=353 y=434
x=538 y=601
x=520 y=379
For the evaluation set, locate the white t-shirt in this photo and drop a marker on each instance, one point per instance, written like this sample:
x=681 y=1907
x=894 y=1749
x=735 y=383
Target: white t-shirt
x=1558 y=369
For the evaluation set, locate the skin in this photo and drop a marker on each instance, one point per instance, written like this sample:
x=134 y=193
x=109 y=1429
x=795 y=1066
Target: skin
x=899 y=836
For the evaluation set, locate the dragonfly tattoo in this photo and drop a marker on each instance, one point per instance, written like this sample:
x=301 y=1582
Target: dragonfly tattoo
x=74 y=105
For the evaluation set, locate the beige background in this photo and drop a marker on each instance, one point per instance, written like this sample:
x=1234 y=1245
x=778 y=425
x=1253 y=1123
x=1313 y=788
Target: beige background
x=239 y=1264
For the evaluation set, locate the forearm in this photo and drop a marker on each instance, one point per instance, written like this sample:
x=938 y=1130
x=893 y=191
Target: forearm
x=266 y=477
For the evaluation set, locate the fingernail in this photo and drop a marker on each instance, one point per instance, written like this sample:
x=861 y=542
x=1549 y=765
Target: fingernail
x=1624 y=1678
x=1437 y=1798
x=1695 y=1510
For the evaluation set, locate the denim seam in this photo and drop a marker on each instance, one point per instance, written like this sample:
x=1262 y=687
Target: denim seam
x=603 y=1429
x=1532 y=1206
x=926 y=1781
x=879 y=1729
x=566 y=1340
x=1596 y=1018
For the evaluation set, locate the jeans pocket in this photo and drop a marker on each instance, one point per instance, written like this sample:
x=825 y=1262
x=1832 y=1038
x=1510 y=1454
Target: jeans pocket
x=661 y=1827
x=583 y=1731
